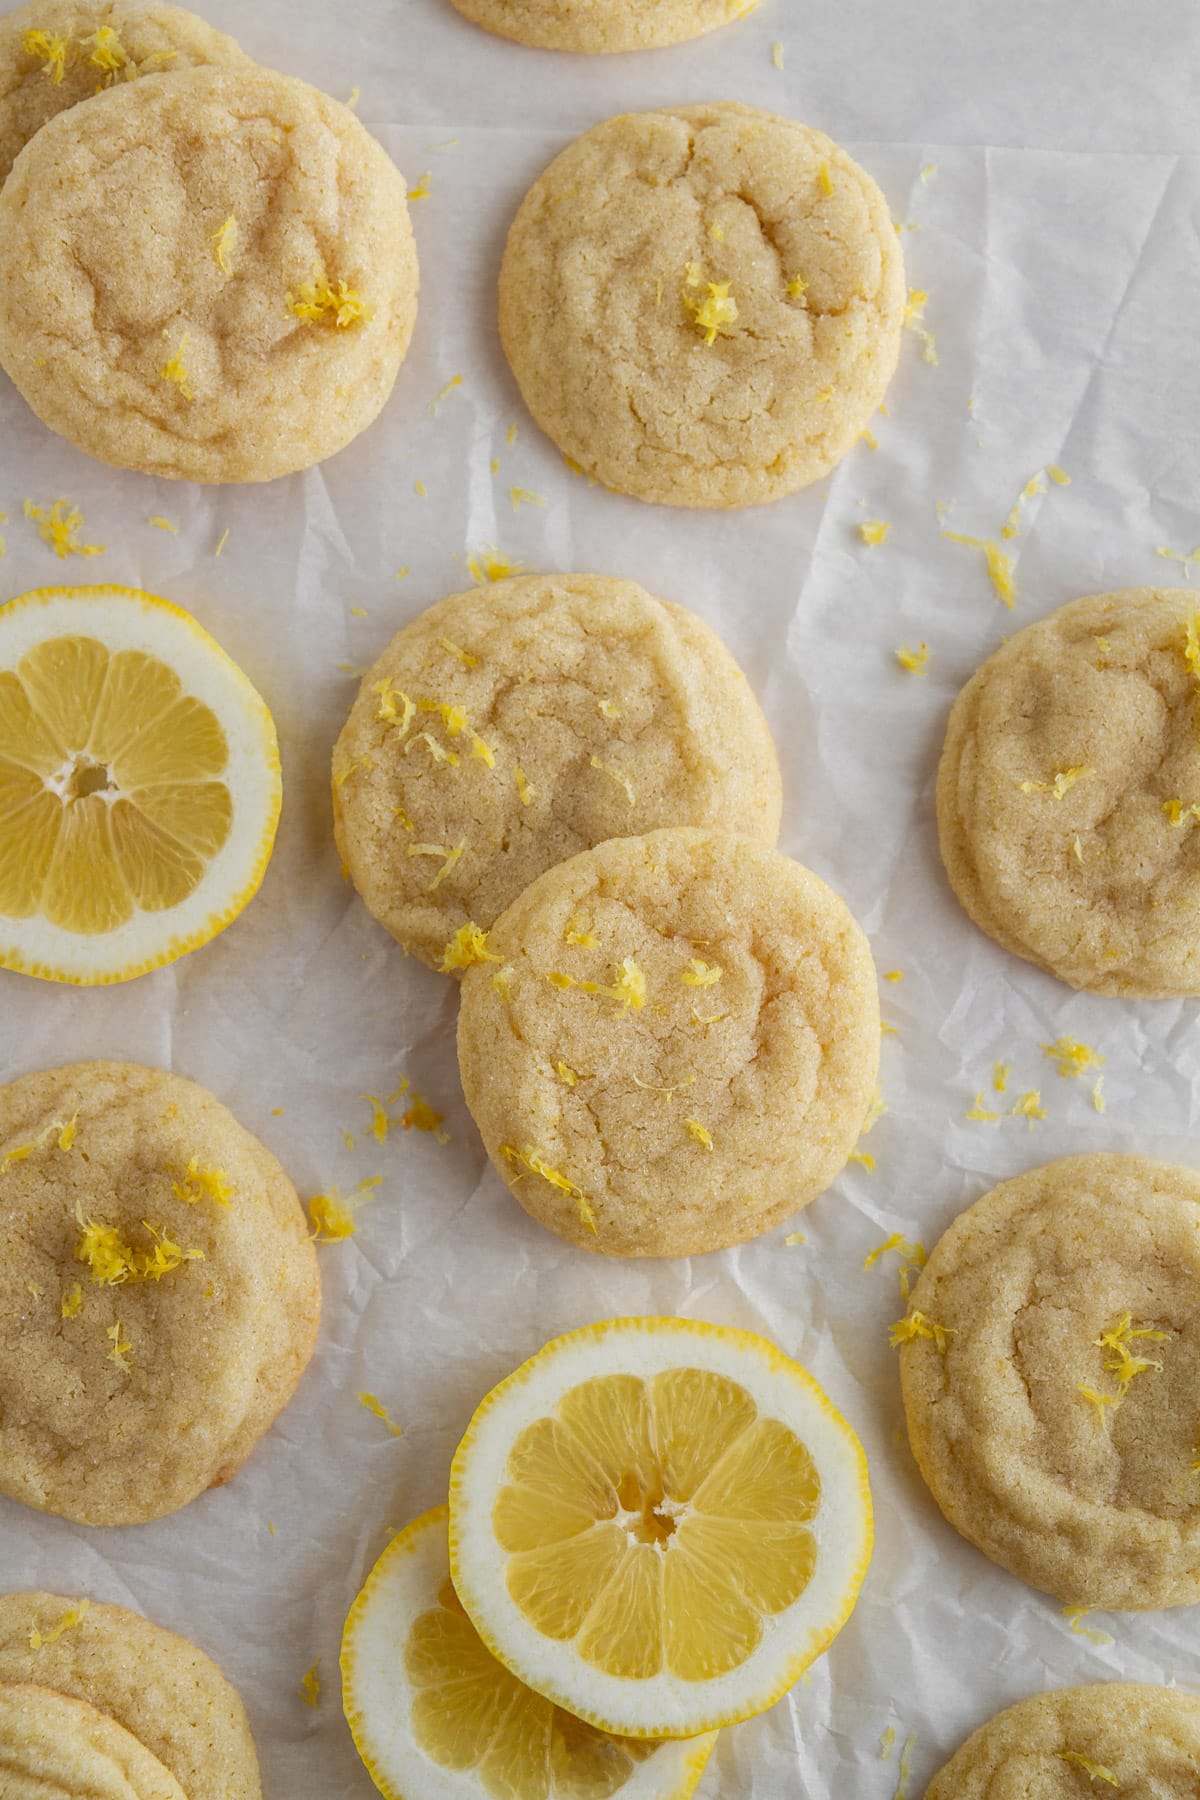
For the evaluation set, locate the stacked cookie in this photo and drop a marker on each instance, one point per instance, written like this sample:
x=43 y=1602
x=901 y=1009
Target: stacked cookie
x=208 y=270
x=563 y=789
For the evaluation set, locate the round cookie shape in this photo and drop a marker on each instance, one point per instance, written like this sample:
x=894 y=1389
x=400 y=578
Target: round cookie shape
x=1050 y=1376
x=597 y=27
x=703 y=306
x=1121 y=1735
x=159 y=1294
x=679 y=1044
x=55 y=1748
x=1068 y=794
x=211 y=278
x=164 y=1691
x=512 y=726
x=55 y=53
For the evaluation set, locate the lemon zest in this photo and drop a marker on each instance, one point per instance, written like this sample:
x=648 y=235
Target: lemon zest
x=979 y=1112
x=867 y=436
x=451 y=857
x=916 y=1325
x=875 y=1111
x=341 y=776
x=1098 y=1400
x=423 y=1117
x=1033 y=487
x=1098 y=1100
x=525 y=497
x=455 y=381
x=333 y=1217
x=1074 y=1615
x=824 y=178
x=530 y=1161
x=376 y=1406
x=112 y=1261
x=777 y=54
x=1028 y=1106
x=1186 y=557
x=1123 y=1363
x=886 y=1743
x=379 y=1119
x=320 y=303
x=914 y=315
x=797 y=287
x=927 y=173
x=175 y=369
x=59 y=527
x=525 y=793
x=388 y=696
x=421 y=191
x=700 y=974
x=864 y=1157
x=1093 y=1770
x=611 y=770
x=463 y=656
x=51 y=51
x=912 y=1257
x=1063 y=781
x=715 y=310
x=701 y=1135
x=74 y=1615
x=1177 y=812
x=795 y=1237
x=221 y=542
x=912 y=660
x=436 y=750
x=502 y=981
x=999 y=563
x=905 y=1768
x=1000 y=1075
x=567 y=1074
x=467 y=947
x=64 y=1133
x=72 y=1301
x=483 y=750
x=224 y=241
x=1073 y=1057
x=203 y=1184
x=894 y=975
x=577 y=932
x=34 y=1289
x=874 y=531
x=1191 y=648
x=121 y=1347
x=310 y=1688
x=108 y=53
x=490 y=564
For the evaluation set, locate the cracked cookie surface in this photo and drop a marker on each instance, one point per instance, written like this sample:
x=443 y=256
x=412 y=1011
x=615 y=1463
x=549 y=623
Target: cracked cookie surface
x=679 y=1047
x=1066 y=791
x=161 y=1688
x=55 y=1748
x=55 y=53
x=599 y=26
x=575 y=708
x=703 y=305
x=1120 y=1736
x=136 y=1374
x=1039 y=1438
x=210 y=277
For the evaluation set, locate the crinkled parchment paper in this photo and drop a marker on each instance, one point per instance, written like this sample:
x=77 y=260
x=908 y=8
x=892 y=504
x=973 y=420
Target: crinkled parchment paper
x=1062 y=287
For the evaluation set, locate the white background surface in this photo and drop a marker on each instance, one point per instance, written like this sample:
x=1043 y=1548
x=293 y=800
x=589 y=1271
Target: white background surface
x=1058 y=240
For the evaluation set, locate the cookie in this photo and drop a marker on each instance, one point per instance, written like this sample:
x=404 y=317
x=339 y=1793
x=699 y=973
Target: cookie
x=1050 y=1365
x=508 y=728
x=599 y=26
x=54 y=53
x=53 y=1748
x=702 y=306
x=163 y=1690
x=159 y=1295
x=1068 y=794
x=210 y=277
x=1119 y=1736
x=677 y=1047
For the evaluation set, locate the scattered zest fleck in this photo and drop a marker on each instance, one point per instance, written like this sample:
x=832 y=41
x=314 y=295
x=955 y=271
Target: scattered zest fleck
x=451 y=856
x=310 y=1688
x=1093 y=1770
x=422 y=1117
x=614 y=774
x=332 y=1217
x=1028 y=1106
x=700 y=974
x=777 y=54
x=455 y=381
x=175 y=370
x=60 y=527
x=525 y=497
x=916 y=1325
x=203 y=1184
x=566 y=1073
x=913 y=660
x=697 y=1131
x=531 y=1162
x=874 y=531
x=1074 y=1615
x=1073 y=1057
x=421 y=191
x=1000 y=1075
x=979 y=1112
x=715 y=310
x=999 y=564
x=163 y=525
x=380 y=1411
x=50 y=50
x=1098 y=1100
x=467 y=947
x=912 y=1258
x=224 y=242
x=914 y=315
x=121 y=1347
x=823 y=178
x=72 y=1301
x=525 y=793
x=73 y=1616
x=1063 y=781
x=490 y=564
x=338 y=308
x=795 y=1237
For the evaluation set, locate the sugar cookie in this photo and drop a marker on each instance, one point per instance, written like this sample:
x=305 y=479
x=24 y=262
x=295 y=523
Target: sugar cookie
x=53 y=1748
x=600 y=26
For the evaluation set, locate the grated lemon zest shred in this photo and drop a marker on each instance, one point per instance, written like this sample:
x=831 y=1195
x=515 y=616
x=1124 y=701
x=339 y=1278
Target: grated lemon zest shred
x=777 y=54
x=421 y=191
x=614 y=774
x=520 y=497
x=463 y=656
x=466 y=948
x=74 y=1615
x=1073 y=1057
x=490 y=564
x=979 y=1112
x=905 y=1770
x=577 y=932
x=886 y=1743
x=702 y=1136
x=1098 y=1100
x=175 y=370
x=999 y=563
x=1093 y=1770
x=423 y=1117
x=1098 y=1400
x=914 y=315
x=380 y=1411
x=339 y=308
x=916 y=1325
x=699 y=974
x=567 y=1074
x=824 y=178
x=797 y=287
x=310 y=1688
x=201 y=1184
x=865 y=1158
x=121 y=1347
x=715 y=310
x=436 y=750
x=163 y=524
x=530 y=1161
x=51 y=50
x=455 y=381
x=108 y=53
x=72 y=1301
x=912 y=660
x=1063 y=782
x=224 y=242
x=1000 y=1074
x=1028 y=1106
x=874 y=531
x=525 y=793
x=59 y=526
x=1074 y=1615
x=333 y=1217
x=608 y=709
x=912 y=1258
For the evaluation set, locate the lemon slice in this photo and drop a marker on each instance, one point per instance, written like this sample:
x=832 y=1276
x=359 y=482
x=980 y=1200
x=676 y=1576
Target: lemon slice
x=139 y=785
x=659 y=1524
x=435 y=1717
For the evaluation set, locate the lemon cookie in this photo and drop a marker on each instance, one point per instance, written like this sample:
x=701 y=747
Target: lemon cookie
x=703 y=305
x=1069 y=793
x=508 y=728
x=599 y=26
x=159 y=1295
x=210 y=277
x=1122 y=1736
x=677 y=1046
x=54 y=53
x=1050 y=1364
x=54 y=1748
x=171 y=1697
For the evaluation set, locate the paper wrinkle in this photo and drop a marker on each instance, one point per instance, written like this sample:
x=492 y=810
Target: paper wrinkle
x=1056 y=285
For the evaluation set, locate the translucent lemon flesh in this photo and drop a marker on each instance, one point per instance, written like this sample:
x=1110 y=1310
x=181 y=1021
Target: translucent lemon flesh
x=469 y=1713
x=657 y=1523
x=111 y=797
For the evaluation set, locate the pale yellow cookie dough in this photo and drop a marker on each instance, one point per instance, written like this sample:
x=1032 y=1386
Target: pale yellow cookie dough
x=622 y=272
x=1066 y=793
x=1041 y=1443
x=170 y=1695
x=678 y=1047
x=55 y=53
x=600 y=26
x=599 y=711
x=1122 y=1738
x=210 y=277
x=127 y=1388
x=54 y=1748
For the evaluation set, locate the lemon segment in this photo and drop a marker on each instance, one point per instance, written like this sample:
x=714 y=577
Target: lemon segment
x=434 y=1716
x=139 y=785
x=658 y=1524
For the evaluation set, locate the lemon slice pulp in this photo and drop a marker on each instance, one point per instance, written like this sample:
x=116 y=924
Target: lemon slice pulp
x=139 y=785
x=658 y=1524
x=435 y=1717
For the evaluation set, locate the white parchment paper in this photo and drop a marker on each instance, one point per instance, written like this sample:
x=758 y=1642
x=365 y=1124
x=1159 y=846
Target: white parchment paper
x=1062 y=288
